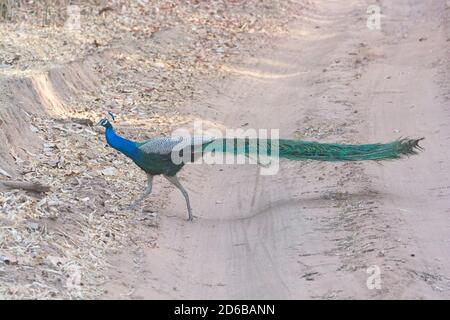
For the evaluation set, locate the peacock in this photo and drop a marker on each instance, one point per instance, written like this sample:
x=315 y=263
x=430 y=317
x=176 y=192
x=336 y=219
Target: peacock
x=154 y=156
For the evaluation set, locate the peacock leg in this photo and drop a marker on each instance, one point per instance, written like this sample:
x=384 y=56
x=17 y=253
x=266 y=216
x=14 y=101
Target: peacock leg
x=174 y=180
x=146 y=192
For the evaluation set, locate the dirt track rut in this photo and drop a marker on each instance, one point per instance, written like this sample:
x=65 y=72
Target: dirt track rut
x=312 y=230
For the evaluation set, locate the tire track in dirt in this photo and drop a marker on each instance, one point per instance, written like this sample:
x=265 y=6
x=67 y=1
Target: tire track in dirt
x=312 y=230
x=407 y=96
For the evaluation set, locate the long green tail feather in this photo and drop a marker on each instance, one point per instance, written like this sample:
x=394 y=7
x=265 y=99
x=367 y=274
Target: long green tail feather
x=306 y=150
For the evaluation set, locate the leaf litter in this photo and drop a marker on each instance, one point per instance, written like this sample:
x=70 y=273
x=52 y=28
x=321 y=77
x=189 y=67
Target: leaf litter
x=148 y=57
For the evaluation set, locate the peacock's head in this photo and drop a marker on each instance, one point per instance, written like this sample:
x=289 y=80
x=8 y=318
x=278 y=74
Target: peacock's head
x=104 y=122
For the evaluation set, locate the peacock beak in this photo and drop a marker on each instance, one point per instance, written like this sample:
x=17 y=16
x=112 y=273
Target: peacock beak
x=100 y=122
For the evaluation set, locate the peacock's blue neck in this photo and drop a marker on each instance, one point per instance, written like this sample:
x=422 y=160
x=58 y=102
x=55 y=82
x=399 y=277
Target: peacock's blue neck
x=123 y=145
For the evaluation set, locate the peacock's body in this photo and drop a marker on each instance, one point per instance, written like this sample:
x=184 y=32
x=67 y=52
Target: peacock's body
x=154 y=156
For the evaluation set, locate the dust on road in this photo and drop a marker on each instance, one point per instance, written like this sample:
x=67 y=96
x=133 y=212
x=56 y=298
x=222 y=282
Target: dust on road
x=319 y=230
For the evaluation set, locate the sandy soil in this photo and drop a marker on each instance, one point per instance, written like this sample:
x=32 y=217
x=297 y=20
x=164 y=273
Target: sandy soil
x=144 y=62
x=312 y=230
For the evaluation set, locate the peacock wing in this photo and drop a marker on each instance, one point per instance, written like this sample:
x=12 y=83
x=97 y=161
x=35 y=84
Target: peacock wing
x=159 y=145
x=165 y=145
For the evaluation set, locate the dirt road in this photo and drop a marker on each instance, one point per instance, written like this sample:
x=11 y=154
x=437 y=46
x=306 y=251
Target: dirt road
x=314 y=229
